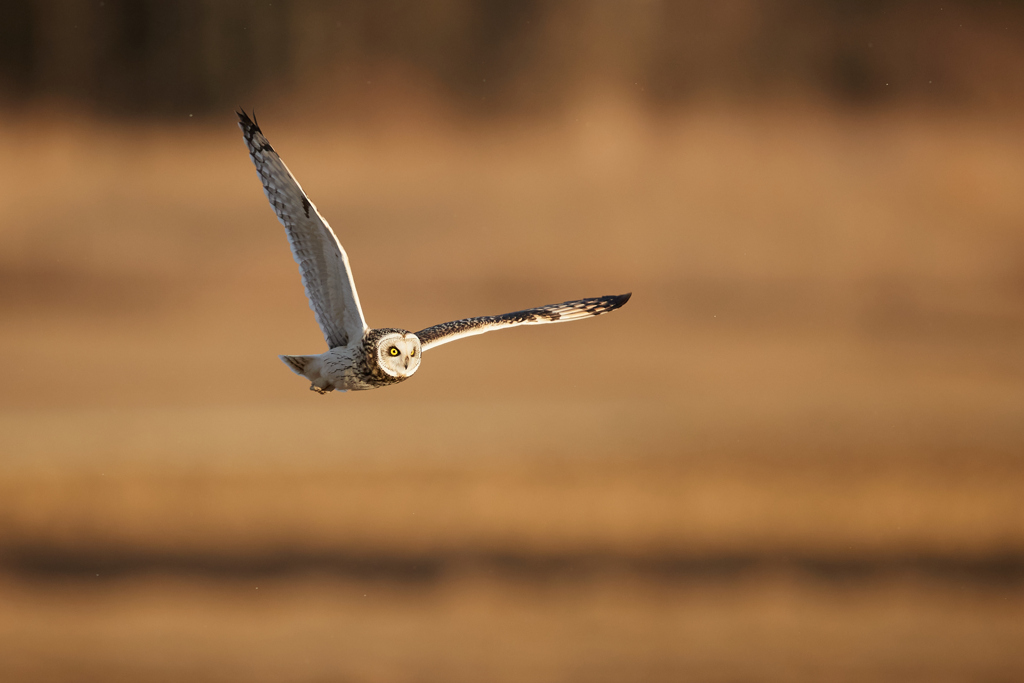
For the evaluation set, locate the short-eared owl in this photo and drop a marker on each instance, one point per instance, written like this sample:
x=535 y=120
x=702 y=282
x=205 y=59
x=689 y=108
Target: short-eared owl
x=359 y=357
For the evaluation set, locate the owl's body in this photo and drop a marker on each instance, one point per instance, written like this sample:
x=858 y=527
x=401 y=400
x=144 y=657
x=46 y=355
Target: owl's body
x=382 y=357
x=359 y=357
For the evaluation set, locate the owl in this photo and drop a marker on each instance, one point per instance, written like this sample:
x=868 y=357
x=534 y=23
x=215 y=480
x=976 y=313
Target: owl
x=359 y=357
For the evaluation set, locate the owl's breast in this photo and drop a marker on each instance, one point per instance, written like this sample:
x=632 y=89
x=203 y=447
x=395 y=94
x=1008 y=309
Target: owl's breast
x=344 y=368
x=349 y=369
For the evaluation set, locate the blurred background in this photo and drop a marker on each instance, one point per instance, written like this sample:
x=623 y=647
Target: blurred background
x=797 y=454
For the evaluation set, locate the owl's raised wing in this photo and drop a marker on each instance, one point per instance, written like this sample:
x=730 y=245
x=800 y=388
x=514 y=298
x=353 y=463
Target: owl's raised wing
x=555 y=313
x=326 y=274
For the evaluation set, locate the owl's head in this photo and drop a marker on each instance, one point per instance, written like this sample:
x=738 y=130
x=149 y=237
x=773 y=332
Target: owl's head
x=398 y=353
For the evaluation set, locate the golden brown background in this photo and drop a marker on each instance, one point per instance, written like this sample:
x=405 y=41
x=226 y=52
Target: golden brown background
x=796 y=455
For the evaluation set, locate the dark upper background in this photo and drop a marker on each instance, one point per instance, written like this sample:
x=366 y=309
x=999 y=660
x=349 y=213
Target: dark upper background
x=139 y=57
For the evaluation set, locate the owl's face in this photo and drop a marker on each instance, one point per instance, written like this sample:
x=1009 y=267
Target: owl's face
x=398 y=354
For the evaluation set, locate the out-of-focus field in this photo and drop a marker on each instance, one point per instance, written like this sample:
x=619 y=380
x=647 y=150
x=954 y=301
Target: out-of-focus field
x=796 y=454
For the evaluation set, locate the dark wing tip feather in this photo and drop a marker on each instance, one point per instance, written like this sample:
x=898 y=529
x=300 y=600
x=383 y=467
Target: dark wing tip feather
x=248 y=126
x=605 y=304
x=244 y=120
x=619 y=301
x=250 y=129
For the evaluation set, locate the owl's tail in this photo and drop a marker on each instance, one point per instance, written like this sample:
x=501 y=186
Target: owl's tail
x=298 y=363
x=309 y=367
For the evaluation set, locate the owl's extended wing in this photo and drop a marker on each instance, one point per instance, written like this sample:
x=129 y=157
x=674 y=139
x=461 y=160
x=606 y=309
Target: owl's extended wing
x=322 y=261
x=555 y=313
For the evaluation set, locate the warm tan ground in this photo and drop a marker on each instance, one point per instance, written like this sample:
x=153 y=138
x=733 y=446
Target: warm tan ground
x=606 y=629
x=796 y=454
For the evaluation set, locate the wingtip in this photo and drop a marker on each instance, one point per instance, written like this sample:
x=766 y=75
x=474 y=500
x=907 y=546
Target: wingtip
x=620 y=300
x=245 y=121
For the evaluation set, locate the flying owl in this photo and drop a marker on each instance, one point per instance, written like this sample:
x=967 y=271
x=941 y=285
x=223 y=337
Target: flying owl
x=359 y=357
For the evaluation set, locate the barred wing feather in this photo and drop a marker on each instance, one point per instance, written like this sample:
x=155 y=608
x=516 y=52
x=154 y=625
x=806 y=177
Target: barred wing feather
x=555 y=313
x=326 y=274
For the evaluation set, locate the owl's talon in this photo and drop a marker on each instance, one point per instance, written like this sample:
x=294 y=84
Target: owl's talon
x=313 y=387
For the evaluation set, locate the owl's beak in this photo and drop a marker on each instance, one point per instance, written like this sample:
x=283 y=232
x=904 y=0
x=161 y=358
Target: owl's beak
x=406 y=363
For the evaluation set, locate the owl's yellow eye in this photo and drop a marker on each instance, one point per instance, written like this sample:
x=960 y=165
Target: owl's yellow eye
x=412 y=353
x=393 y=351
